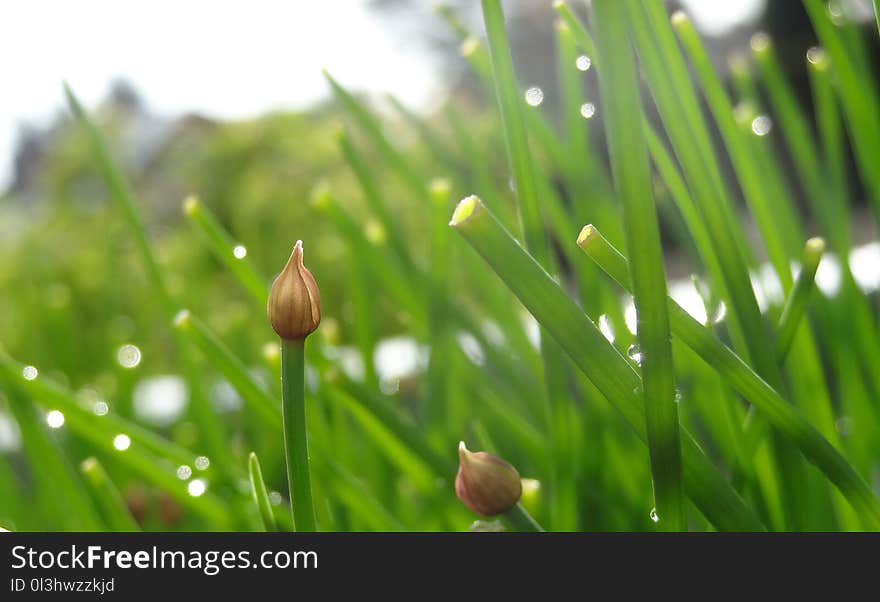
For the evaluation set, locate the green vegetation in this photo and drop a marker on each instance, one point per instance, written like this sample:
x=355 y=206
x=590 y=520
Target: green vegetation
x=135 y=345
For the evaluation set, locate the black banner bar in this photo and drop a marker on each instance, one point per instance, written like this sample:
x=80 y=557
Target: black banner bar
x=450 y=564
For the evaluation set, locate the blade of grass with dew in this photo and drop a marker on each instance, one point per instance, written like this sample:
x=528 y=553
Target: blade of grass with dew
x=261 y=494
x=859 y=97
x=829 y=207
x=224 y=248
x=631 y=169
x=774 y=218
x=594 y=356
x=108 y=498
x=212 y=429
x=676 y=100
x=526 y=182
x=782 y=415
x=102 y=431
x=50 y=468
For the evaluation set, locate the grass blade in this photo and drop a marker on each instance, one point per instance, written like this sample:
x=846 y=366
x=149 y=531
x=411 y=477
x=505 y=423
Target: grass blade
x=261 y=494
x=796 y=304
x=632 y=175
x=110 y=501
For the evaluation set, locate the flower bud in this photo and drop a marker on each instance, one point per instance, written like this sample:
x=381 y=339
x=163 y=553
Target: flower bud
x=485 y=483
x=294 y=305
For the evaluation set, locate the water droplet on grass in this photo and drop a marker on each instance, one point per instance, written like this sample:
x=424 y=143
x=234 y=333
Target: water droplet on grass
x=128 y=356
x=55 y=419
x=29 y=373
x=101 y=408
x=202 y=462
x=121 y=442
x=534 y=96
x=184 y=472
x=635 y=353
x=239 y=251
x=588 y=109
x=761 y=125
x=583 y=62
x=196 y=487
x=275 y=498
x=654 y=516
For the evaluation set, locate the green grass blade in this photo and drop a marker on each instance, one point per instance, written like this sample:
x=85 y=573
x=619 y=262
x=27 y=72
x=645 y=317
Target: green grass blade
x=108 y=498
x=223 y=246
x=53 y=474
x=796 y=304
x=609 y=371
x=781 y=414
x=222 y=358
x=632 y=175
x=261 y=494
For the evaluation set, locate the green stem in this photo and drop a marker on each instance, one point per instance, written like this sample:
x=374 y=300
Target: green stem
x=296 y=445
x=520 y=519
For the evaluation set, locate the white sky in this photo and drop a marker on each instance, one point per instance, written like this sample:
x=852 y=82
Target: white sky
x=223 y=58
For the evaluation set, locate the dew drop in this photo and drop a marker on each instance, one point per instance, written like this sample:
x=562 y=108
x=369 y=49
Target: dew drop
x=816 y=55
x=654 y=516
x=677 y=397
x=128 y=356
x=761 y=125
x=583 y=62
x=588 y=109
x=29 y=372
x=101 y=408
x=534 y=96
x=239 y=251
x=184 y=472
x=55 y=419
x=121 y=442
x=605 y=328
x=202 y=462
x=635 y=353
x=196 y=487
x=275 y=498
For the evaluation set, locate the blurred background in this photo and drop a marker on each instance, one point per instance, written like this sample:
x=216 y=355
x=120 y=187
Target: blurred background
x=227 y=101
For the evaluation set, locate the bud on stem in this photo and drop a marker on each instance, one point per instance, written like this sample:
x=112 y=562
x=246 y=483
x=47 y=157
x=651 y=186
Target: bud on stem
x=294 y=305
x=485 y=483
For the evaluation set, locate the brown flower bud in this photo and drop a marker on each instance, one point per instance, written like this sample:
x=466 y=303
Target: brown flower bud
x=485 y=483
x=294 y=305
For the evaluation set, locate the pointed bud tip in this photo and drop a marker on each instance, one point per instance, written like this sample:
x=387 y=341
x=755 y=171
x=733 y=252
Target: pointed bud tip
x=294 y=304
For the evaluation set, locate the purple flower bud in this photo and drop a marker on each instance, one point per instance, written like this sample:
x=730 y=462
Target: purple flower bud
x=485 y=483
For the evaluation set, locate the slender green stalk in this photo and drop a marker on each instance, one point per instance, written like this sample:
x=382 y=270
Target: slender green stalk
x=224 y=248
x=520 y=519
x=785 y=417
x=796 y=304
x=591 y=352
x=222 y=358
x=261 y=494
x=53 y=474
x=108 y=498
x=293 y=409
x=632 y=174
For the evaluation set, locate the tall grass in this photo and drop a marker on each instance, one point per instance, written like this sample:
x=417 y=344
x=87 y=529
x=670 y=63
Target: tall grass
x=631 y=406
